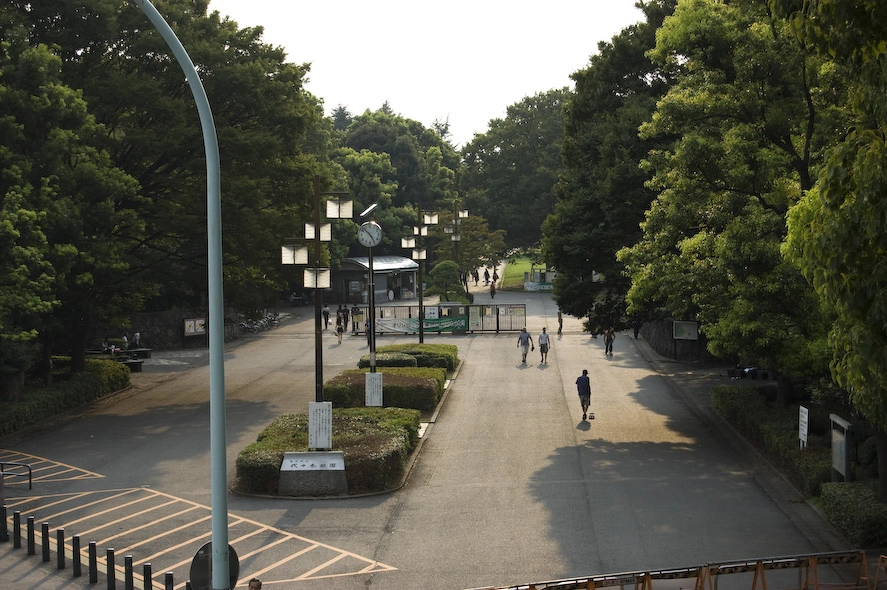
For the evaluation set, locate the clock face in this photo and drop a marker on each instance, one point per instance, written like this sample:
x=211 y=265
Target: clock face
x=369 y=234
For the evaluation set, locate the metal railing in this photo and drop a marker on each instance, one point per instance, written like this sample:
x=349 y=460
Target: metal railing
x=843 y=570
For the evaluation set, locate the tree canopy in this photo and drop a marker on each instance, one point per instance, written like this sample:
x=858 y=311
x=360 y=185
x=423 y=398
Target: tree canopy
x=751 y=112
x=601 y=196
x=511 y=169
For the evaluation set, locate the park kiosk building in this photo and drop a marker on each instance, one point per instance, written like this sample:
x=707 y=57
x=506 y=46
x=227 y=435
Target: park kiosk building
x=395 y=279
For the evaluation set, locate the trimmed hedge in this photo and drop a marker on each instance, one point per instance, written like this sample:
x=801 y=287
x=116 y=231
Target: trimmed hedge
x=853 y=508
x=376 y=443
x=69 y=391
x=773 y=430
x=428 y=355
x=402 y=387
x=388 y=359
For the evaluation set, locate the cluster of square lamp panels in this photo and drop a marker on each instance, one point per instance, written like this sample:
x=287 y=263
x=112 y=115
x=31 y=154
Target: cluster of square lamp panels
x=319 y=278
x=422 y=231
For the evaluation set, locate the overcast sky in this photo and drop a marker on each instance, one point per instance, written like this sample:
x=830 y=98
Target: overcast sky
x=461 y=60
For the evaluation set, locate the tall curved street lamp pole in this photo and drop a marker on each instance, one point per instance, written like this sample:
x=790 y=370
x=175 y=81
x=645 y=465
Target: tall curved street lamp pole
x=218 y=467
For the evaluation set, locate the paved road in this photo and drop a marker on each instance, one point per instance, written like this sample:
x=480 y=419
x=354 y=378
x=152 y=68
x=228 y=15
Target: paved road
x=511 y=485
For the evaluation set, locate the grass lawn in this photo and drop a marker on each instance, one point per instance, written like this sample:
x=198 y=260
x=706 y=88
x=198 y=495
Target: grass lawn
x=513 y=275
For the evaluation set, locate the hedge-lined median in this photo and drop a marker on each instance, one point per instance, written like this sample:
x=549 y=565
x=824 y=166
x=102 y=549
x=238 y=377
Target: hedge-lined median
x=427 y=355
x=376 y=443
x=402 y=387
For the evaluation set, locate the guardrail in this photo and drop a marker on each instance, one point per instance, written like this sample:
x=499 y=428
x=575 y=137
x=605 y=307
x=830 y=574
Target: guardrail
x=808 y=569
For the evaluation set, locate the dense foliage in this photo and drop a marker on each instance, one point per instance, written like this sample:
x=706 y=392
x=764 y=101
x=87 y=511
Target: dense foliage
x=601 y=197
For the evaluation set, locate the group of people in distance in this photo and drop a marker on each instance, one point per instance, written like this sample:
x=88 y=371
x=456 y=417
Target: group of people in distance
x=583 y=383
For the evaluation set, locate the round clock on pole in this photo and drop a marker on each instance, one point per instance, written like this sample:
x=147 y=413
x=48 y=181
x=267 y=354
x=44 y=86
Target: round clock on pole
x=369 y=234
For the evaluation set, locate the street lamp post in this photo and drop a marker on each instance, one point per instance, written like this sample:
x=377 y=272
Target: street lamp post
x=419 y=255
x=456 y=237
x=318 y=278
x=370 y=234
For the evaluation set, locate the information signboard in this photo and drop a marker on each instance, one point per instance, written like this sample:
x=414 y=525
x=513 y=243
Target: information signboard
x=195 y=327
x=373 y=390
x=803 y=425
x=320 y=425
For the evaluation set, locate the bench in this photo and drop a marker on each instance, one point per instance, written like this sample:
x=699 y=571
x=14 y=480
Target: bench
x=142 y=353
x=135 y=365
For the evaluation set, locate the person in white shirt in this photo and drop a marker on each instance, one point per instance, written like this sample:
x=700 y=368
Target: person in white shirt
x=543 y=345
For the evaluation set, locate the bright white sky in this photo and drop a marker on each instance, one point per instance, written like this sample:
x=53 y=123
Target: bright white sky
x=466 y=60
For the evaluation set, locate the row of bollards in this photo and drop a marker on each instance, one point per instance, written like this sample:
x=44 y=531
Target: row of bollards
x=76 y=554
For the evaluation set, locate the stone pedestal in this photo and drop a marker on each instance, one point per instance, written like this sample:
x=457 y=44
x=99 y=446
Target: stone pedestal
x=313 y=473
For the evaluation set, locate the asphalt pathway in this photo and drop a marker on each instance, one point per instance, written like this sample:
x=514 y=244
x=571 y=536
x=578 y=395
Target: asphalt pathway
x=510 y=486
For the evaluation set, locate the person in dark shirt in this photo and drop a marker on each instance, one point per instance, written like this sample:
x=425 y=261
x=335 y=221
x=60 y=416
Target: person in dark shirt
x=583 y=384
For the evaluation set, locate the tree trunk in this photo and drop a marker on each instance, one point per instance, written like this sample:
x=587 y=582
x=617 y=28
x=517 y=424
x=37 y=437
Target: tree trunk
x=783 y=390
x=881 y=445
x=44 y=363
x=11 y=385
x=78 y=348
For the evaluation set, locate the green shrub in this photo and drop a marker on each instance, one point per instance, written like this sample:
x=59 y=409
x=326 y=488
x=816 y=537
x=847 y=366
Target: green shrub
x=69 y=391
x=402 y=387
x=376 y=443
x=388 y=359
x=853 y=508
x=773 y=430
x=428 y=355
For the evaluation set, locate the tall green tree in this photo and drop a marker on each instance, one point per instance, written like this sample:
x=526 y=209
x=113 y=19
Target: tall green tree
x=836 y=233
x=271 y=135
x=71 y=217
x=512 y=168
x=406 y=142
x=601 y=196
x=753 y=112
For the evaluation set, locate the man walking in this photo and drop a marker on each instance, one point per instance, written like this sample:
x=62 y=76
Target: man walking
x=583 y=384
x=524 y=342
x=609 y=337
x=543 y=345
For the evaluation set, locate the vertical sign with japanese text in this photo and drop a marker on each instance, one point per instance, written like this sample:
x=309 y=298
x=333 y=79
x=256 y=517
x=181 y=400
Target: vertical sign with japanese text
x=373 y=390
x=320 y=425
x=803 y=425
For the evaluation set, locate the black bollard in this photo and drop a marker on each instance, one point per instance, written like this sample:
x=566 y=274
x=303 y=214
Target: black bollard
x=16 y=530
x=147 y=576
x=60 y=549
x=32 y=548
x=111 y=569
x=93 y=564
x=44 y=540
x=4 y=526
x=127 y=573
x=75 y=556
x=168 y=581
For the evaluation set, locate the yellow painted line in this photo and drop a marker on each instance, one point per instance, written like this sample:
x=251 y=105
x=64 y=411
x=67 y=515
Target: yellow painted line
x=369 y=565
x=119 y=520
x=276 y=564
x=180 y=545
x=66 y=498
x=87 y=505
x=150 y=524
x=40 y=460
x=310 y=573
